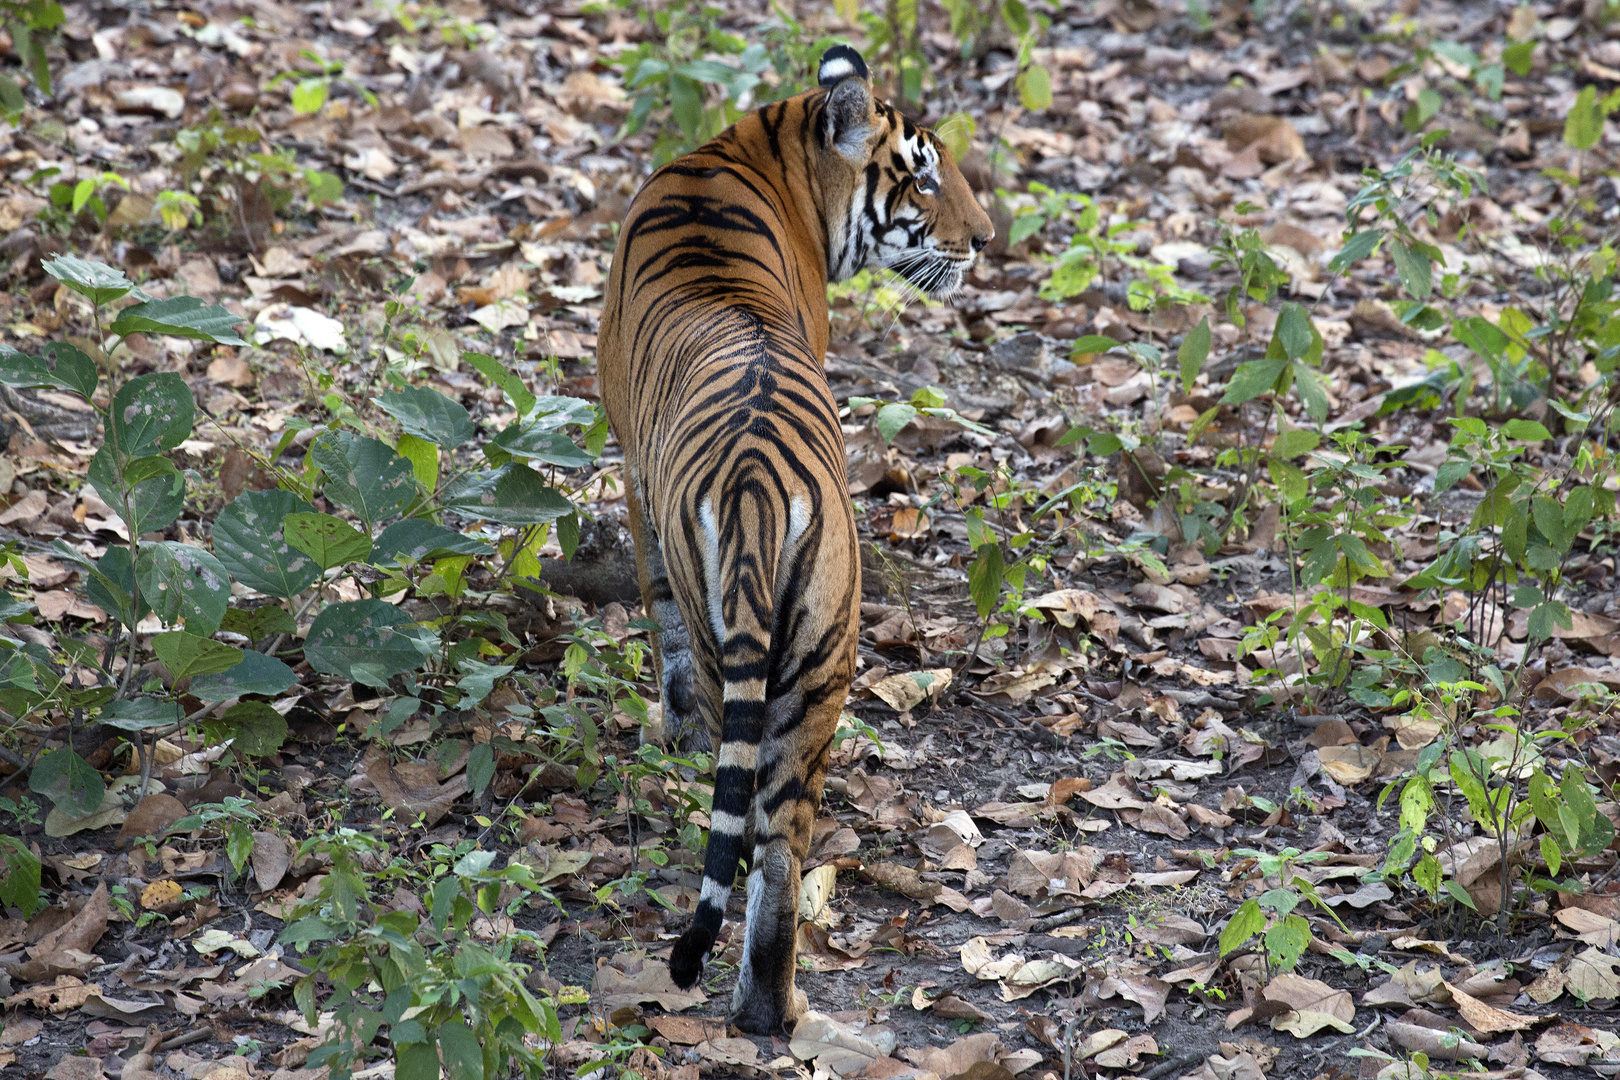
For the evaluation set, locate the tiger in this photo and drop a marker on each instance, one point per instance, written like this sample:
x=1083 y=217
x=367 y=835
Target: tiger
x=710 y=367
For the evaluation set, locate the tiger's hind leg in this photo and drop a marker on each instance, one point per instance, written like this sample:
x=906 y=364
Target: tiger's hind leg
x=766 y=1000
x=672 y=645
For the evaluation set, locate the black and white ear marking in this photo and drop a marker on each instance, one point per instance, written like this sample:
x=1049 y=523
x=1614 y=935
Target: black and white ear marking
x=840 y=62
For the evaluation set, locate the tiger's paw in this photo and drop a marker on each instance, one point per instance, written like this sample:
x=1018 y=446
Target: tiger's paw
x=762 y=1013
x=687 y=957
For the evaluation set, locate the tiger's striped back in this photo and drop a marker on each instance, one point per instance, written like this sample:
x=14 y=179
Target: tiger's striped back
x=710 y=361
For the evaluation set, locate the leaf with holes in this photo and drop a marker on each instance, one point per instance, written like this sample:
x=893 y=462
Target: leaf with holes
x=511 y=495
x=328 y=540
x=150 y=414
x=366 y=632
x=254 y=727
x=183 y=582
x=364 y=475
x=186 y=654
x=250 y=541
x=255 y=674
x=429 y=415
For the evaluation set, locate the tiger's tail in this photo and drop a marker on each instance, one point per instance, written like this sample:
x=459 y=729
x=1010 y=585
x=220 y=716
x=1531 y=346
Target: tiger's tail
x=745 y=639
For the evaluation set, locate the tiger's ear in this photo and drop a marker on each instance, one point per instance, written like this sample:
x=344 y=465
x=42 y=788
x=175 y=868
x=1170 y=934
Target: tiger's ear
x=849 y=116
x=840 y=62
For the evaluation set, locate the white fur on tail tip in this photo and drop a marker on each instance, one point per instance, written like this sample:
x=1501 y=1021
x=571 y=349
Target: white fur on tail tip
x=838 y=67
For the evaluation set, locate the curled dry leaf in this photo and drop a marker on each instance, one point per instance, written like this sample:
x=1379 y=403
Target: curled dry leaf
x=630 y=978
x=1312 y=1006
x=902 y=693
x=903 y=880
x=841 y=1048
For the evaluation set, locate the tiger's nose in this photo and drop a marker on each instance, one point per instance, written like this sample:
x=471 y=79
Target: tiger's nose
x=978 y=240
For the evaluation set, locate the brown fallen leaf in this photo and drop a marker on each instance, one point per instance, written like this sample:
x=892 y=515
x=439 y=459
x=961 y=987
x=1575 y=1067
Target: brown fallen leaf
x=1312 y=1006
x=270 y=859
x=630 y=978
x=903 y=880
x=957 y=1058
x=687 y=1030
x=65 y=994
x=67 y=949
x=412 y=787
x=151 y=816
x=841 y=1048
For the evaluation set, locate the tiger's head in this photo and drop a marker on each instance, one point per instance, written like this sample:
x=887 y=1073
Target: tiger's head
x=892 y=192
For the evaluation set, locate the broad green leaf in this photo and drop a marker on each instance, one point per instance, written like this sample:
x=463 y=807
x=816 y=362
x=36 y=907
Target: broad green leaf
x=366 y=632
x=328 y=540
x=1253 y=378
x=308 y=96
x=512 y=386
x=429 y=415
x=151 y=414
x=417 y=539
x=1527 y=430
x=155 y=503
x=511 y=495
x=424 y=459
x=110 y=585
x=140 y=714
x=1547 y=617
x=60 y=367
x=463 y=1055
x=1091 y=344
x=364 y=475
x=1193 y=352
x=415 y=1060
x=548 y=447
x=95 y=281
x=1549 y=518
x=255 y=674
x=1247 y=921
x=984 y=578
x=1579 y=505
x=1311 y=392
x=1035 y=88
x=250 y=541
x=68 y=781
x=1023 y=227
x=480 y=768
x=1518 y=58
x=892 y=419
x=255 y=727
x=1358 y=247
x=1293 y=330
x=260 y=622
x=1294 y=442
x=1583 y=127
x=19 y=886
x=186 y=655
x=182 y=581
x=1413 y=268
x=182 y=317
